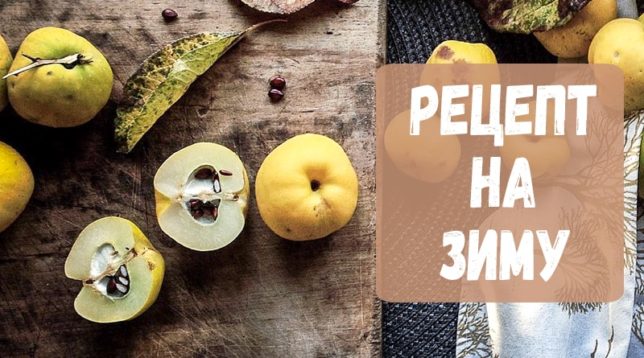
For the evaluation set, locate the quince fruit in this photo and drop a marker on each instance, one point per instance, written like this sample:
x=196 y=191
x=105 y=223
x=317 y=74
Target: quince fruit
x=16 y=185
x=69 y=84
x=5 y=62
x=621 y=43
x=547 y=154
x=573 y=39
x=451 y=51
x=429 y=157
x=306 y=188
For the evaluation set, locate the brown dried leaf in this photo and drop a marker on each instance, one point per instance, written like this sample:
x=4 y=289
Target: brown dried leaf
x=278 y=6
x=526 y=16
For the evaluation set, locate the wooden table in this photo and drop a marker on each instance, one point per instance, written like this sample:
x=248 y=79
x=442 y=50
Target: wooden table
x=261 y=295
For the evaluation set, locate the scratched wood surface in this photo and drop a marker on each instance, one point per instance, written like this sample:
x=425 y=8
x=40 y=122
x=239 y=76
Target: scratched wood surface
x=260 y=296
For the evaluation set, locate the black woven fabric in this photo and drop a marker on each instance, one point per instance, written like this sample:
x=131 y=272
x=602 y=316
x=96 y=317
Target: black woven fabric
x=414 y=28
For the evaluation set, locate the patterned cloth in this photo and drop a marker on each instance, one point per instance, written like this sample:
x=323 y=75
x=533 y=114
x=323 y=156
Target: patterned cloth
x=555 y=330
x=636 y=347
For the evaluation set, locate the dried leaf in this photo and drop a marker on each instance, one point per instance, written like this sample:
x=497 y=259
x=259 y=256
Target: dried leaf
x=278 y=6
x=285 y=6
x=163 y=78
x=526 y=16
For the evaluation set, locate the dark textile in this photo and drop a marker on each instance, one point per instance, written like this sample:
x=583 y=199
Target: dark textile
x=414 y=28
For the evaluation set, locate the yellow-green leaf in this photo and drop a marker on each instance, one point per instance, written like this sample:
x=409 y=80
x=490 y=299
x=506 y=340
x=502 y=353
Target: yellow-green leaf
x=163 y=78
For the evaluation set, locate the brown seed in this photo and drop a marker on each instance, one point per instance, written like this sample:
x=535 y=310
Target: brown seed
x=211 y=210
x=225 y=172
x=208 y=208
x=277 y=82
x=197 y=214
x=275 y=94
x=195 y=204
x=111 y=285
x=204 y=173
x=169 y=15
x=199 y=209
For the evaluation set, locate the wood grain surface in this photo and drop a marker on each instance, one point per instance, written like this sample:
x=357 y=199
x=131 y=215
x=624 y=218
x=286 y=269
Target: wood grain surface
x=259 y=297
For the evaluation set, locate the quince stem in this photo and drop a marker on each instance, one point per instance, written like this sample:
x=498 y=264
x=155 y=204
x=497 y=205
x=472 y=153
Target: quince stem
x=261 y=24
x=68 y=61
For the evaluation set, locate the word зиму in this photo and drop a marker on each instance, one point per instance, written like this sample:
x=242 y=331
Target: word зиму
x=512 y=260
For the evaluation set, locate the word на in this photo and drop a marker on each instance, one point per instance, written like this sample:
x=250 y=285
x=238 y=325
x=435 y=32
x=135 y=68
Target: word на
x=512 y=259
x=513 y=109
x=519 y=185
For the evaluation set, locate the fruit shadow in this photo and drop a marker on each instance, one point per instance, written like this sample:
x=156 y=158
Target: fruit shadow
x=256 y=253
x=114 y=339
x=226 y=269
x=299 y=258
x=47 y=148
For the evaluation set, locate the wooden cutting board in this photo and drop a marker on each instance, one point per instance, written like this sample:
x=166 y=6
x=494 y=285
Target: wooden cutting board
x=261 y=295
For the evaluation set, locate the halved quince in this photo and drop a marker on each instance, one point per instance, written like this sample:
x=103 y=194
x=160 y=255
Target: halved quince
x=120 y=270
x=201 y=196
